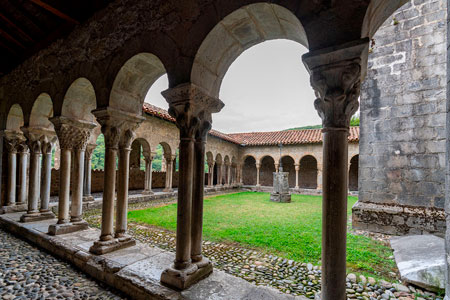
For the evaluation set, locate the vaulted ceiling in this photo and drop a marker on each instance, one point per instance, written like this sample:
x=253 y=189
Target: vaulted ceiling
x=27 y=26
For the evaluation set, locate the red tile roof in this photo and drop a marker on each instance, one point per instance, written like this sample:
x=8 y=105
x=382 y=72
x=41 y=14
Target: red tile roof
x=286 y=137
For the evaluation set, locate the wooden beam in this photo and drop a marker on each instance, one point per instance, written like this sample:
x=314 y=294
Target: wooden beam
x=17 y=28
x=55 y=11
x=11 y=39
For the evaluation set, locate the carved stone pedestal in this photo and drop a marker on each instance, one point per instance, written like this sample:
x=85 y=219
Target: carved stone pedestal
x=57 y=229
x=13 y=208
x=280 y=188
x=102 y=247
x=182 y=279
x=38 y=216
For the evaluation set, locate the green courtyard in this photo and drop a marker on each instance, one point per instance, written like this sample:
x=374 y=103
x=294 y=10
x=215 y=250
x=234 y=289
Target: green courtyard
x=292 y=230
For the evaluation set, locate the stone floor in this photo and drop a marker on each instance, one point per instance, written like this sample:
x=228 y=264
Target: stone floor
x=135 y=270
x=29 y=273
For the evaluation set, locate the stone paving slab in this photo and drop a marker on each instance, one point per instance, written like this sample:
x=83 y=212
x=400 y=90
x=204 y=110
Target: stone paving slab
x=421 y=260
x=136 y=271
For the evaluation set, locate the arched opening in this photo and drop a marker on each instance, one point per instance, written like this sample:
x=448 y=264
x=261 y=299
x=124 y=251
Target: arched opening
x=266 y=171
x=218 y=169
x=353 y=174
x=249 y=171
x=140 y=149
x=308 y=172
x=14 y=120
x=80 y=101
x=289 y=166
x=41 y=111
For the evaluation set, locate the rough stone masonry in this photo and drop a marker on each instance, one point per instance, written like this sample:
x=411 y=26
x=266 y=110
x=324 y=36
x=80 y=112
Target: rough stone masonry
x=403 y=110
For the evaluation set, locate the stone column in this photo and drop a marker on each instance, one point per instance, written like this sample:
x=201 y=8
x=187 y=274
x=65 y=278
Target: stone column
x=258 y=166
x=241 y=180
x=34 y=144
x=122 y=188
x=23 y=166
x=297 y=169
x=87 y=183
x=319 y=178
x=191 y=107
x=114 y=124
x=210 y=174
x=169 y=170
x=277 y=167
x=335 y=76
x=73 y=136
x=46 y=174
x=12 y=143
x=219 y=174
x=148 y=173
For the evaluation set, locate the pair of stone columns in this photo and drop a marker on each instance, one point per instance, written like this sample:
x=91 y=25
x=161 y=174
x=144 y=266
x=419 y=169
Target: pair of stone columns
x=87 y=182
x=73 y=136
x=258 y=167
x=118 y=129
x=13 y=143
x=210 y=173
x=148 y=173
x=40 y=142
x=192 y=109
x=169 y=161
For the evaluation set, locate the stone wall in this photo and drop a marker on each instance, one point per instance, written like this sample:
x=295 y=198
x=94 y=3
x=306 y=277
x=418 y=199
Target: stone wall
x=403 y=111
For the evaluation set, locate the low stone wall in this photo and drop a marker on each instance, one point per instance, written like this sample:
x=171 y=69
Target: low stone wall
x=398 y=219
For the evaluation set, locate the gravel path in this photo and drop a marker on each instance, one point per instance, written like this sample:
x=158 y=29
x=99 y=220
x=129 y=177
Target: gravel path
x=28 y=273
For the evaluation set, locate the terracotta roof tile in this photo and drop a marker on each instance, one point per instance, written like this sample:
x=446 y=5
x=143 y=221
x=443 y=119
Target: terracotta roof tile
x=286 y=137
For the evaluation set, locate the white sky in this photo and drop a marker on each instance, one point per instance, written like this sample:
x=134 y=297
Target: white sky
x=265 y=89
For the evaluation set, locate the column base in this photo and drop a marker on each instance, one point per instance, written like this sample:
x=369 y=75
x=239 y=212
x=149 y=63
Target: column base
x=147 y=192
x=167 y=190
x=182 y=279
x=88 y=198
x=34 y=217
x=13 y=208
x=57 y=229
x=103 y=247
x=282 y=198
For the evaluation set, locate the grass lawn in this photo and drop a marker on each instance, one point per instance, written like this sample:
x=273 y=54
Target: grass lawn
x=292 y=230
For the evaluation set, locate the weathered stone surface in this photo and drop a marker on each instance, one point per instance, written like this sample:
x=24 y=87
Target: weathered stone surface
x=421 y=260
x=280 y=191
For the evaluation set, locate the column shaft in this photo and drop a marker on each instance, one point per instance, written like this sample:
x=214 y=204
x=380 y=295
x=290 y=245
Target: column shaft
x=34 y=183
x=22 y=198
x=87 y=176
x=77 y=188
x=257 y=175
x=46 y=181
x=64 y=186
x=109 y=187
x=197 y=200
x=12 y=166
x=122 y=192
x=297 y=168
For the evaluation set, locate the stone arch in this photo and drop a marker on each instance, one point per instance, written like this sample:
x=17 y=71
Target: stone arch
x=133 y=81
x=15 y=119
x=289 y=166
x=219 y=159
x=79 y=101
x=353 y=173
x=249 y=170
x=41 y=111
x=140 y=147
x=240 y=30
x=266 y=171
x=308 y=172
x=209 y=157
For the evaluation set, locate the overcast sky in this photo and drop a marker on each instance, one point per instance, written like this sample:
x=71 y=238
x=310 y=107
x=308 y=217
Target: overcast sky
x=265 y=89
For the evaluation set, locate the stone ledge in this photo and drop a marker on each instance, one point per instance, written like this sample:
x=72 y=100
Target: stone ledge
x=135 y=270
x=398 y=220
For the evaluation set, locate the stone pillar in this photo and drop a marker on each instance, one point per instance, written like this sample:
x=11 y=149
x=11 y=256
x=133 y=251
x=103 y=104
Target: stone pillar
x=240 y=170
x=122 y=188
x=73 y=136
x=210 y=174
x=169 y=170
x=23 y=166
x=277 y=167
x=319 y=178
x=46 y=174
x=115 y=124
x=191 y=107
x=258 y=166
x=34 y=144
x=148 y=173
x=219 y=174
x=87 y=182
x=297 y=169
x=12 y=143
x=336 y=76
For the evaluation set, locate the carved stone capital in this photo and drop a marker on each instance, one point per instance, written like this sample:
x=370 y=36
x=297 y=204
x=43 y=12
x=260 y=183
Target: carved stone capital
x=13 y=140
x=118 y=127
x=33 y=141
x=297 y=167
x=336 y=76
x=89 y=150
x=149 y=156
x=192 y=107
x=72 y=134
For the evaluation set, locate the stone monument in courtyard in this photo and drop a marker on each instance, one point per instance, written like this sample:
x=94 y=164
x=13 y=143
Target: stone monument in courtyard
x=280 y=187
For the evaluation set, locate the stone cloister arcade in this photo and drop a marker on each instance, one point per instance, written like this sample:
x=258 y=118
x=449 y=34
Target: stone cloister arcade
x=99 y=75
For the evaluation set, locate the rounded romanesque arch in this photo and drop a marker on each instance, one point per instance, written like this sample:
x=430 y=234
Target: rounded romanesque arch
x=41 y=111
x=15 y=120
x=308 y=172
x=139 y=148
x=133 y=81
x=266 y=171
x=289 y=166
x=249 y=171
x=353 y=174
x=79 y=101
x=240 y=30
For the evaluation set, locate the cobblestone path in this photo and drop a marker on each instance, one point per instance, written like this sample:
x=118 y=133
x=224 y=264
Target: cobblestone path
x=29 y=273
